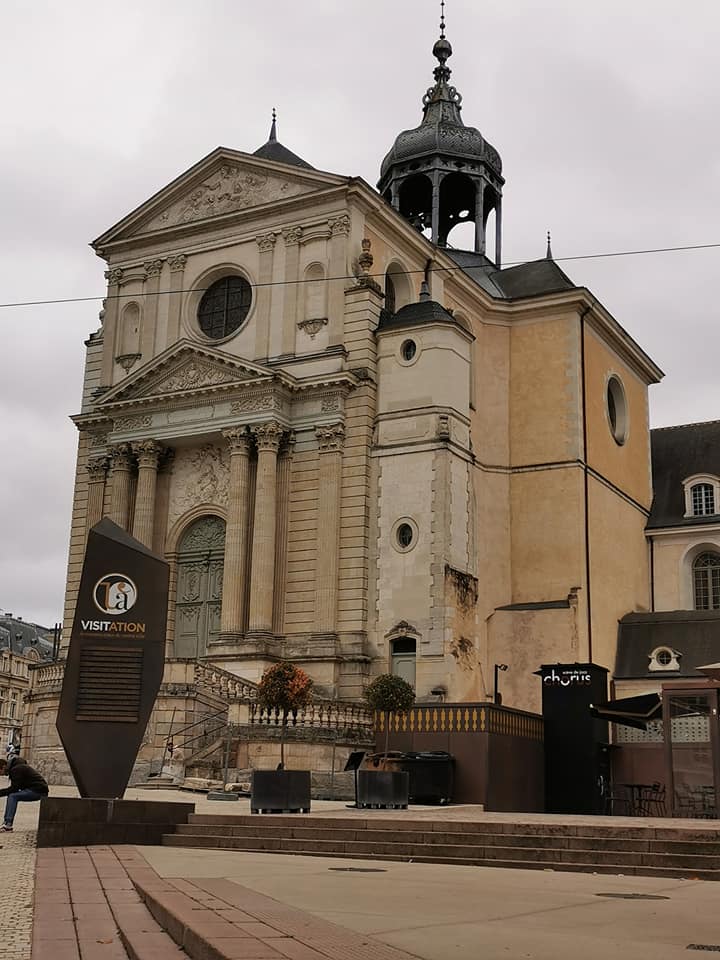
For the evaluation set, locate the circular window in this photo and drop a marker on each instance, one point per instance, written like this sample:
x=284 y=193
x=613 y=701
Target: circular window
x=664 y=657
x=224 y=307
x=617 y=410
x=404 y=535
x=408 y=350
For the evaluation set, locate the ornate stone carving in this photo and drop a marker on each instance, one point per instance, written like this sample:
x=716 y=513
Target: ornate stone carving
x=266 y=242
x=238 y=439
x=127 y=361
x=288 y=444
x=97 y=468
x=193 y=375
x=148 y=453
x=314 y=326
x=292 y=235
x=122 y=456
x=330 y=437
x=443 y=427
x=200 y=475
x=132 y=423
x=365 y=262
x=231 y=187
x=167 y=458
x=177 y=262
x=330 y=404
x=101 y=315
x=153 y=268
x=268 y=435
x=339 y=226
x=252 y=404
x=114 y=275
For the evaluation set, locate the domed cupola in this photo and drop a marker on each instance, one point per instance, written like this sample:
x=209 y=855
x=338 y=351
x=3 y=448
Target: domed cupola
x=443 y=173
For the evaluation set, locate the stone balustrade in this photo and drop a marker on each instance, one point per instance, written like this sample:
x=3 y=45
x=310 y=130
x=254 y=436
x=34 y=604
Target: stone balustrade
x=325 y=714
x=223 y=683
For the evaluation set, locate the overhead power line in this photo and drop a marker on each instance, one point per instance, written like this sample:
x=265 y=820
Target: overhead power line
x=374 y=276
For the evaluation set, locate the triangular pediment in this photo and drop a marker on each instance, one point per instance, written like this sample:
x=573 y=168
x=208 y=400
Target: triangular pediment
x=185 y=368
x=224 y=182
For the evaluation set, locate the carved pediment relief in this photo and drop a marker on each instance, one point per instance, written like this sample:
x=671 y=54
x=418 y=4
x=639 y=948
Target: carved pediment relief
x=230 y=187
x=183 y=370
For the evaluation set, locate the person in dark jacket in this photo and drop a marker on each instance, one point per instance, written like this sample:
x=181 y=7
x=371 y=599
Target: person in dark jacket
x=25 y=784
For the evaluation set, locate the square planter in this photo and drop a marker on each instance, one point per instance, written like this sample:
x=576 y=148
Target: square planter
x=280 y=791
x=383 y=789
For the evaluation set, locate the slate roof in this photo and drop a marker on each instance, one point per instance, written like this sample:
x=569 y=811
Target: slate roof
x=20 y=636
x=695 y=634
x=533 y=279
x=274 y=150
x=678 y=453
x=415 y=314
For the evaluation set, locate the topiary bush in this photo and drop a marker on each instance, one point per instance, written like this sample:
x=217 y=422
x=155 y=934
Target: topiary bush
x=389 y=694
x=286 y=689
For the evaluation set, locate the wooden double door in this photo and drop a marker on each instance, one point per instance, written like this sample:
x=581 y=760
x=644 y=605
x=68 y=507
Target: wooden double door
x=198 y=602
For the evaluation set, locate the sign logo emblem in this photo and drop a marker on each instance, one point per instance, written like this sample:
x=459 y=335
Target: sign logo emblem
x=115 y=594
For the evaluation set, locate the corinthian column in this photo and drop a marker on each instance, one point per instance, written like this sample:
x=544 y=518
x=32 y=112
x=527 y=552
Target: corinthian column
x=97 y=471
x=330 y=440
x=281 y=531
x=121 y=466
x=267 y=437
x=148 y=454
x=232 y=618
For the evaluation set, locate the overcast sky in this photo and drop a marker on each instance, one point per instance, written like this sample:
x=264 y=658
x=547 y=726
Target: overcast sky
x=605 y=116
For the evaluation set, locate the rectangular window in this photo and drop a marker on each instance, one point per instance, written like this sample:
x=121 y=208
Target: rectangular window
x=703 y=500
x=12 y=706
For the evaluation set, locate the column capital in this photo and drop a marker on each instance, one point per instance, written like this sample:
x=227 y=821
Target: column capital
x=268 y=435
x=266 y=241
x=238 y=439
x=287 y=444
x=114 y=275
x=177 y=262
x=121 y=456
x=331 y=437
x=97 y=468
x=292 y=235
x=339 y=226
x=153 y=268
x=148 y=453
x=167 y=457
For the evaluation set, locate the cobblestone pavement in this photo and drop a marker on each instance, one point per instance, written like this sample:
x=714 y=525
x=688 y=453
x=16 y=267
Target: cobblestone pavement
x=17 y=857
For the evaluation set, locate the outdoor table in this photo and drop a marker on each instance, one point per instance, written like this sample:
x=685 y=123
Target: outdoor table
x=636 y=801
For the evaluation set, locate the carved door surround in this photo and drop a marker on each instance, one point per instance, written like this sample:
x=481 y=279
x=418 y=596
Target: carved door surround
x=200 y=564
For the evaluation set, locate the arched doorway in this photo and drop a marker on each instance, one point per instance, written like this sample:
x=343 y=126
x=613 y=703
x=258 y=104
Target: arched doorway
x=403 y=658
x=199 y=586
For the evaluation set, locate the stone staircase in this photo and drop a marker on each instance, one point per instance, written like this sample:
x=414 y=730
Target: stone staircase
x=666 y=851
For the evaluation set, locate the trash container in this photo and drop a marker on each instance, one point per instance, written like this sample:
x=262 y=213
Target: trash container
x=432 y=774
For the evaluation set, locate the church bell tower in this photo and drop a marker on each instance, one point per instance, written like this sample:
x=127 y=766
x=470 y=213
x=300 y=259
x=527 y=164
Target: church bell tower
x=443 y=173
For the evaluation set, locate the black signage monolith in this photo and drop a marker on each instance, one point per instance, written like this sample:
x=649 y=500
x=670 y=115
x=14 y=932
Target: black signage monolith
x=115 y=660
x=576 y=751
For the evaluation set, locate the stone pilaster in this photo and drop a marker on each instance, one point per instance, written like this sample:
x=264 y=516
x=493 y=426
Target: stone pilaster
x=330 y=441
x=267 y=437
x=162 y=501
x=339 y=232
x=176 y=264
x=281 y=543
x=292 y=236
x=233 y=615
x=153 y=269
x=120 y=472
x=97 y=468
x=112 y=308
x=148 y=454
x=266 y=244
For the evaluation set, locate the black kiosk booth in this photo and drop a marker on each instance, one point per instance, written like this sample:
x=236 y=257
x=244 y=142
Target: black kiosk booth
x=577 y=764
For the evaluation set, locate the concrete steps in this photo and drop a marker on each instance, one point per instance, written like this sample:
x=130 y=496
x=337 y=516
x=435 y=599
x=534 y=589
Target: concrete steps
x=643 y=851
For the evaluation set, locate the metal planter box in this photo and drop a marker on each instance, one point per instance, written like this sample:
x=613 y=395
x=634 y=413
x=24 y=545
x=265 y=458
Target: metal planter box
x=383 y=789
x=280 y=791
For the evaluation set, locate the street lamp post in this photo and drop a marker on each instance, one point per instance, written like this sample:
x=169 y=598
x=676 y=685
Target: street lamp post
x=497 y=696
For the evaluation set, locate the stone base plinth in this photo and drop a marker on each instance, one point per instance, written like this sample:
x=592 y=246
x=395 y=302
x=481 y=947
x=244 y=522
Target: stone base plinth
x=75 y=822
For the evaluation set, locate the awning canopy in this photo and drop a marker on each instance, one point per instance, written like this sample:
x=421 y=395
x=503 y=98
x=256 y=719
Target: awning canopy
x=630 y=711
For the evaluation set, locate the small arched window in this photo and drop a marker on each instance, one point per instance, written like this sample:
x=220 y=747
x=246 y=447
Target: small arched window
x=315 y=292
x=403 y=659
x=389 y=305
x=702 y=499
x=706 y=581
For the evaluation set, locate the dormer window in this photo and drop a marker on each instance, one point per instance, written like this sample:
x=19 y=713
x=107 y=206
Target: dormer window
x=702 y=496
x=664 y=658
x=703 y=499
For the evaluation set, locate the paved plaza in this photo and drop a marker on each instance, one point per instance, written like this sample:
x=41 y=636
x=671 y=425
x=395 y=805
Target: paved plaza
x=429 y=911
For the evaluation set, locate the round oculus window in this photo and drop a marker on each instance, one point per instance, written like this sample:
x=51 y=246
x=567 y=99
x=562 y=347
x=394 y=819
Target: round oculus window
x=404 y=534
x=664 y=657
x=617 y=410
x=224 y=307
x=408 y=350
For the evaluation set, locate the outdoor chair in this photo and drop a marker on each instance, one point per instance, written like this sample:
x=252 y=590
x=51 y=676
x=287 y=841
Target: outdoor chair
x=652 y=801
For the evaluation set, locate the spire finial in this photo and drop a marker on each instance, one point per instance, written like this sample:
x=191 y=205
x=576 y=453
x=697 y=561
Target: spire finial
x=273 y=127
x=442 y=19
x=548 y=253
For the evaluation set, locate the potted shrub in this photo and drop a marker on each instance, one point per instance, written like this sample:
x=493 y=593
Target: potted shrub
x=384 y=788
x=284 y=689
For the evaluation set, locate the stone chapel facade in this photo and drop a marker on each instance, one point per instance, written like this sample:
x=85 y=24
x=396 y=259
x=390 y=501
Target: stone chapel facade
x=359 y=448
